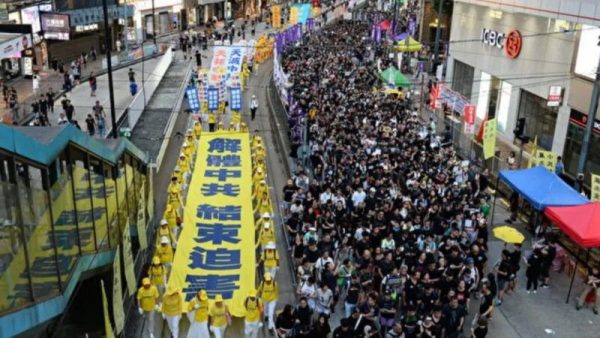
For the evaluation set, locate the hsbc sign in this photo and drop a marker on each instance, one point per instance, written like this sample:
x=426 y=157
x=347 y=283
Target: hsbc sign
x=510 y=42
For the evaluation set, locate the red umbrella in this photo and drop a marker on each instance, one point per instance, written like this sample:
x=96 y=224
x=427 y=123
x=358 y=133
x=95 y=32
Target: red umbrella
x=385 y=25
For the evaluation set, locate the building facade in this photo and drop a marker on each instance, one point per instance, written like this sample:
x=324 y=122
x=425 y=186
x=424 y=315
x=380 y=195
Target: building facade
x=507 y=58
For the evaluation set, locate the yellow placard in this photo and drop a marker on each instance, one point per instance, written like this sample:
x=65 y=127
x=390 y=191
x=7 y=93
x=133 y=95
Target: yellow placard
x=117 y=298
x=489 y=138
x=595 y=195
x=128 y=260
x=316 y=11
x=108 y=331
x=216 y=249
x=276 y=16
x=294 y=12
x=544 y=158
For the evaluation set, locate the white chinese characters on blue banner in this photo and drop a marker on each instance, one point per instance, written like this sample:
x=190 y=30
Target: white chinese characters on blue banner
x=213 y=99
x=236 y=99
x=193 y=99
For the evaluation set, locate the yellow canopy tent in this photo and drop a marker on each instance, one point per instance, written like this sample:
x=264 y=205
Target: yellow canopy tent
x=412 y=46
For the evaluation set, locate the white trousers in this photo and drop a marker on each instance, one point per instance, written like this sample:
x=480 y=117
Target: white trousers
x=173 y=322
x=251 y=329
x=198 y=329
x=150 y=317
x=270 y=306
x=218 y=331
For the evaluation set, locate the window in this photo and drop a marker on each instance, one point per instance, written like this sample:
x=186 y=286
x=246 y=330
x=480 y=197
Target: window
x=462 y=80
x=573 y=148
x=540 y=119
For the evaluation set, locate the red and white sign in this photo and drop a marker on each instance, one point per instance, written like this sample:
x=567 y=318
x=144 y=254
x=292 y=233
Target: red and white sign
x=434 y=96
x=554 y=96
x=469 y=115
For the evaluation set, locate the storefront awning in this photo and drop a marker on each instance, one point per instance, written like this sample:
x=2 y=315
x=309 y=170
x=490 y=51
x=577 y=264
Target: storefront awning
x=581 y=223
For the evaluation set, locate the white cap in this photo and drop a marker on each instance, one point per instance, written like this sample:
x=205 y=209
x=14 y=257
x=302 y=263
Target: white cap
x=266 y=215
x=267 y=225
x=271 y=245
x=312 y=229
x=185 y=144
x=164 y=240
x=163 y=222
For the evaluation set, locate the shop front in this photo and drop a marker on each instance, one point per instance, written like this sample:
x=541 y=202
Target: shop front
x=166 y=15
x=11 y=49
x=214 y=8
x=495 y=62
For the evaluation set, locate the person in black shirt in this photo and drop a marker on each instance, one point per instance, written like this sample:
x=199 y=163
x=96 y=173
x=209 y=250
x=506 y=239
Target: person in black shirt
x=534 y=263
x=454 y=318
x=411 y=289
x=90 y=123
x=344 y=330
x=481 y=330
x=503 y=271
x=515 y=262
x=285 y=321
x=352 y=295
x=303 y=317
x=387 y=312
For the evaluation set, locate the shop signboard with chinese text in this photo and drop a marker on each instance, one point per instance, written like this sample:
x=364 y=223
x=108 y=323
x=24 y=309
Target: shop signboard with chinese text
x=55 y=26
x=554 y=96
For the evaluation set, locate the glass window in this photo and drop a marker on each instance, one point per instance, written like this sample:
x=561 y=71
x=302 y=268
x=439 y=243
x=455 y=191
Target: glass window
x=15 y=289
x=541 y=120
x=494 y=96
x=86 y=212
x=462 y=80
x=63 y=214
x=99 y=201
x=573 y=148
x=37 y=227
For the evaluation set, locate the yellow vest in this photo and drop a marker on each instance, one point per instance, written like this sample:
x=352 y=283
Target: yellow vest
x=172 y=305
x=253 y=309
x=267 y=235
x=183 y=164
x=197 y=131
x=156 y=274
x=269 y=291
x=211 y=118
x=171 y=218
x=217 y=316
x=147 y=298
x=165 y=232
x=201 y=314
x=165 y=253
x=270 y=258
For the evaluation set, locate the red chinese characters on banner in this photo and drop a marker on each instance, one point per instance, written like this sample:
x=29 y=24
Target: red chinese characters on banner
x=469 y=116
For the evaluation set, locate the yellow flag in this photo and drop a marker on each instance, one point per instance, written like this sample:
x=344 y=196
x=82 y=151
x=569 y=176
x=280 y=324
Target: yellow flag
x=595 y=196
x=294 y=11
x=118 y=314
x=489 y=138
x=128 y=260
x=533 y=152
x=107 y=325
x=141 y=219
x=545 y=158
x=276 y=15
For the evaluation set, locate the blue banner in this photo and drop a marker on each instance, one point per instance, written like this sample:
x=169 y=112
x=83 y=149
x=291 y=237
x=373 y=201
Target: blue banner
x=193 y=98
x=304 y=12
x=235 y=99
x=213 y=99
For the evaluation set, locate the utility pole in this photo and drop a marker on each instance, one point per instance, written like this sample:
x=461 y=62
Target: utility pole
x=111 y=93
x=153 y=25
x=438 y=31
x=589 y=126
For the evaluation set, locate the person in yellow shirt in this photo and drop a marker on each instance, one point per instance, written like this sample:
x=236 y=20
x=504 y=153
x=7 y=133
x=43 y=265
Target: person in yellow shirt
x=165 y=230
x=198 y=313
x=259 y=175
x=189 y=149
x=259 y=190
x=269 y=293
x=243 y=127
x=220 y=126
x=175 y=198
x=212 y=120
x=157 y=274
x=267 y=234
x=175 y=179
x=197 y=130
x=165 y=252
x=265 y=218
x=219 y=317
x=147 y=299
x=172 y=217
x=254 y=309
x=264 y=204
x=270 y=259
x=172 y=307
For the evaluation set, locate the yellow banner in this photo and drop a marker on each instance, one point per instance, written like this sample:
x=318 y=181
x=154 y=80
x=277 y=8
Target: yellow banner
x=595 y=196
x=489 y=138
x=219 y=223
x=108 y=331
x=141 y=220
x=545 y=158
x=276 y=16
x=150 y=202
x=128 y=260
x=294 y=11
x=118 y=314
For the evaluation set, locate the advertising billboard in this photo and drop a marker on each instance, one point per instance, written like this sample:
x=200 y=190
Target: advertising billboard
x=55 y=26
